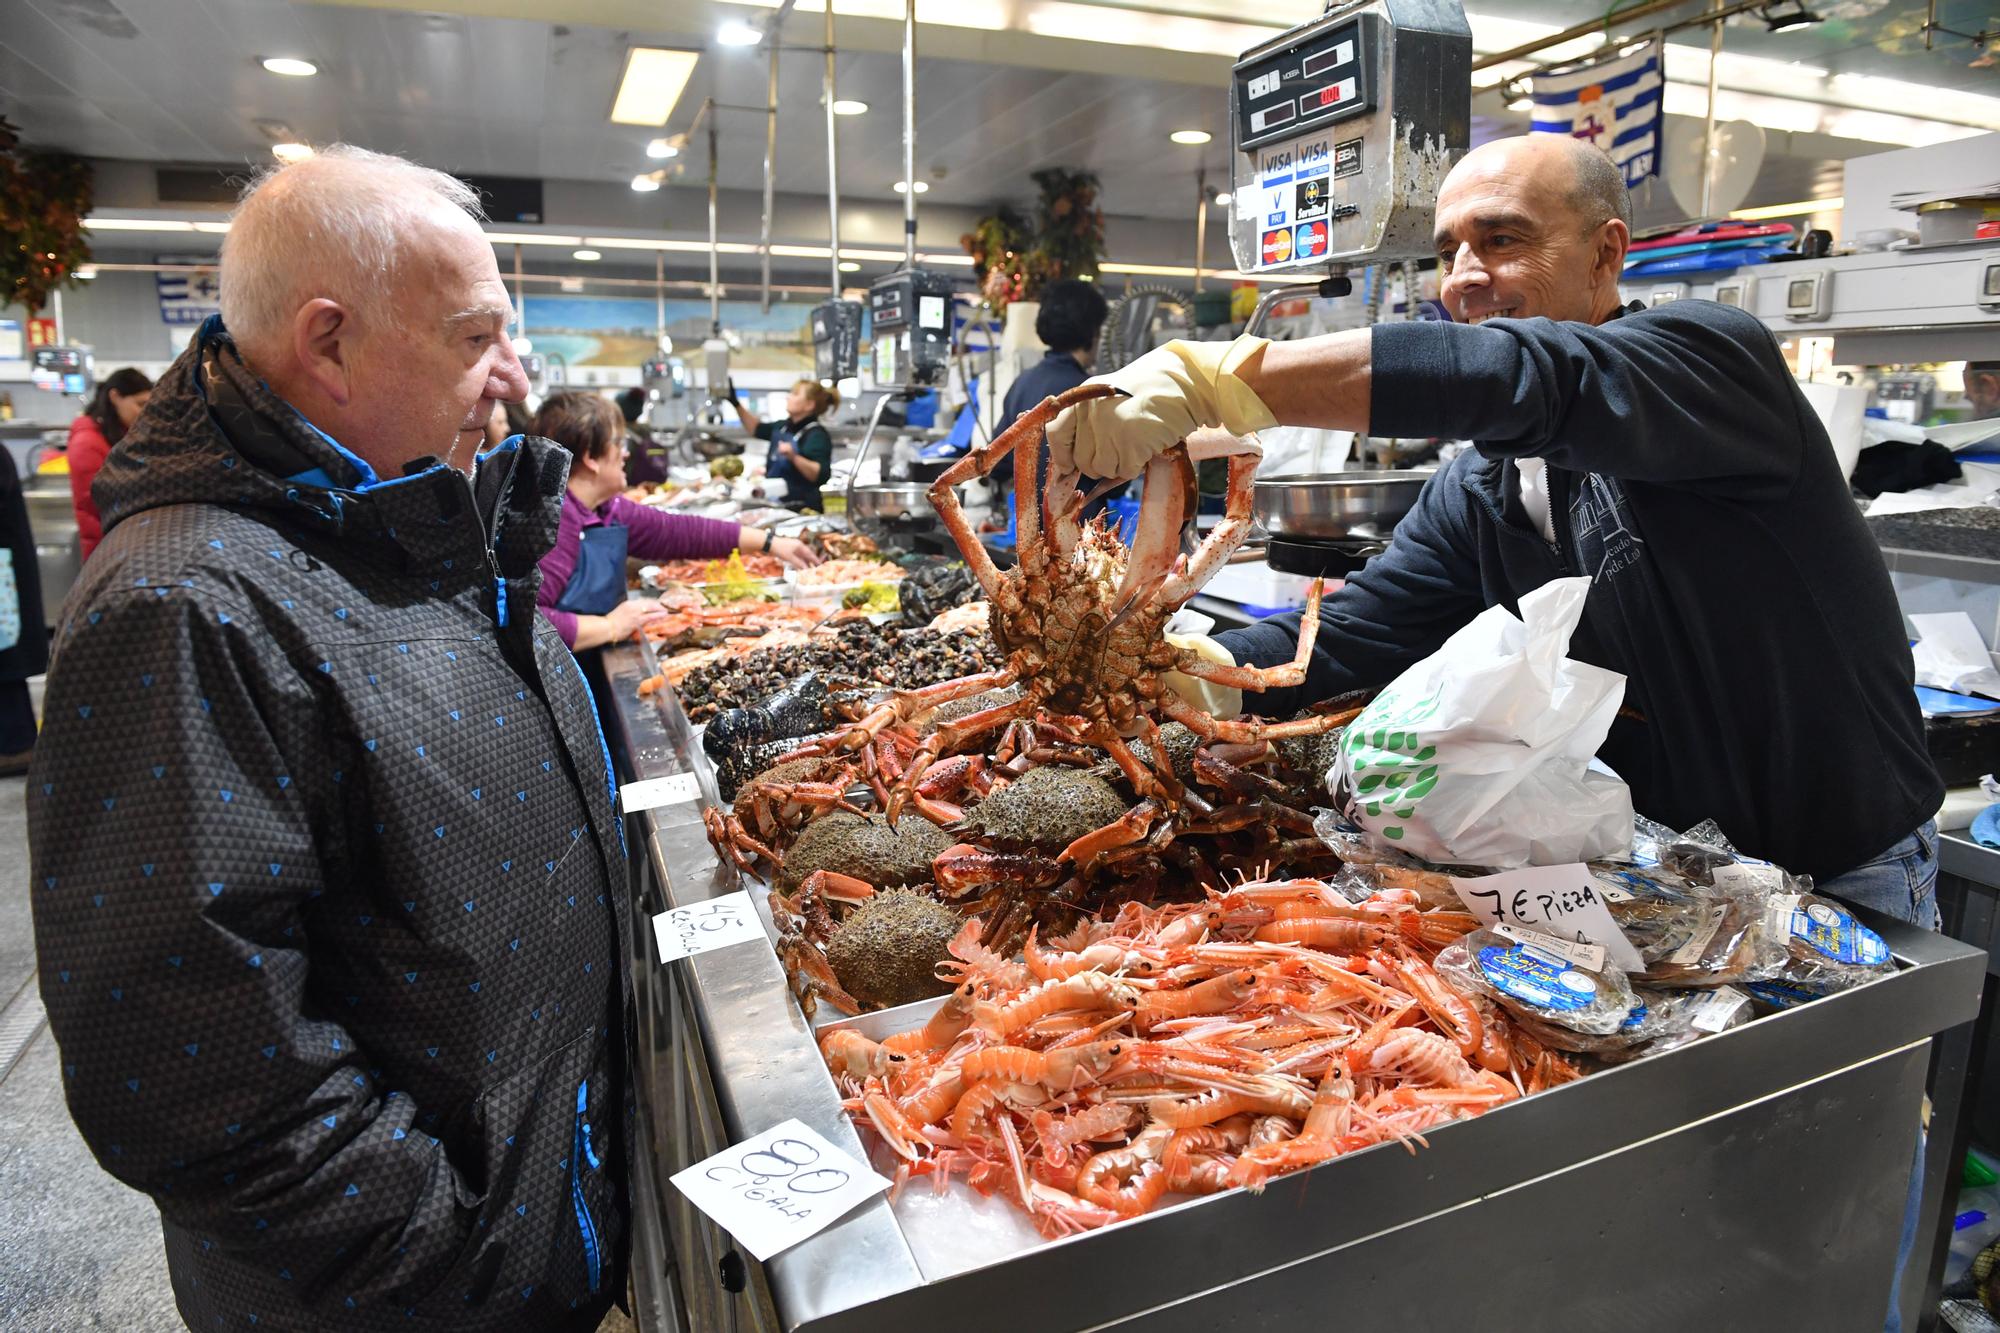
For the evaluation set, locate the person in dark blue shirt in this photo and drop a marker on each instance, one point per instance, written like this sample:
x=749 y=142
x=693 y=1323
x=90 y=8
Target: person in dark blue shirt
x=801 y=453
x=1072 y=314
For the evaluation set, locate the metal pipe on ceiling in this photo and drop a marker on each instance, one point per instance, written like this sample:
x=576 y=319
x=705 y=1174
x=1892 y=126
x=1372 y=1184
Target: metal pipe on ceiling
x=771 y=28
x=1200 y=223
x=1605 y=24
x=909 y=134
x=832 y=164
x=714 y=255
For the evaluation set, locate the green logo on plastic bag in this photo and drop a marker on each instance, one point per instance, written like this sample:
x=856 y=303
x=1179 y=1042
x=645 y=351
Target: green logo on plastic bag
x=1388 y=761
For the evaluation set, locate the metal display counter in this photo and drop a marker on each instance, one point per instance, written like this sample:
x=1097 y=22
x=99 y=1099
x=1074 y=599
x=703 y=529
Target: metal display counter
x=1755 y=1179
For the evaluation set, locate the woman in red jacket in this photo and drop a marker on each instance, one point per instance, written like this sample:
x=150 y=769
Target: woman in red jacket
x=121 y=397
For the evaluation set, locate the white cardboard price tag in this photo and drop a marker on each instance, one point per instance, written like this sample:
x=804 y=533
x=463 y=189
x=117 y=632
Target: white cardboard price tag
x=1714 y=1010
x=775 y=1190
x=653 y=793
x=717 y=923
x=1563 y=901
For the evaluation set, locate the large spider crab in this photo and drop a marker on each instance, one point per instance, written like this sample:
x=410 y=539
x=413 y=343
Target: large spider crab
x=1081 y=616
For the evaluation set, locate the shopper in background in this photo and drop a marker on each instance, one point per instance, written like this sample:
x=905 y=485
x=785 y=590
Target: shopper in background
x=801 y=453
x=330 y=888
x=507 y=420
x=1982 y=389
x=24 y=639
x=1071 y=317
x=583 y=575
x=121 y=396
x=645 y=457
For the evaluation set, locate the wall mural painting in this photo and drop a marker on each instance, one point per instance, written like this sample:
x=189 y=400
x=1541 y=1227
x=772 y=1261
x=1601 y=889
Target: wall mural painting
x=620 y=331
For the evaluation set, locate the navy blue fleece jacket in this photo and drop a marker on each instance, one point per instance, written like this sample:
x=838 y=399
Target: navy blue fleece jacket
x=1734 y=583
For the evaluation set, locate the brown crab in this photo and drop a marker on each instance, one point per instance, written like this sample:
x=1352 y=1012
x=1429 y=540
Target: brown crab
x=1081 y=618
x=774 y=805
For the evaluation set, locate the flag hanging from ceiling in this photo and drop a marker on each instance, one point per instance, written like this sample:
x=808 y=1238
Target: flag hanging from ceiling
x=1613 y=103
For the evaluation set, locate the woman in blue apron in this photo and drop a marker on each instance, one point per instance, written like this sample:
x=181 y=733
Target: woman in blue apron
x=801 y=453
x=583 y=575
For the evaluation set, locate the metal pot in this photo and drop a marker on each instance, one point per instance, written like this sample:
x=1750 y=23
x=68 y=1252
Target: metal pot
x=889 y=501
x=1337 y=506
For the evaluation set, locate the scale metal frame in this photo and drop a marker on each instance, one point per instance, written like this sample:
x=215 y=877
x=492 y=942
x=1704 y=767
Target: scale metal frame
x=1341 y=131
x=909 y=316
x=836 y=336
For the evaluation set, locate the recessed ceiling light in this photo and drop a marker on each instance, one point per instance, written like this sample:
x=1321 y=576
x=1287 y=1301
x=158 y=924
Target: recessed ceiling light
x=1223 y=199
x=298 y=69
x=523 y=345
x=1191 y=137
x=903 y=187
x=737 y=33
x=654 y=78
x=846 y=266
x=587 y=256
x=847 y=106
x=661 y=148
x=289 y=153
x=645 y=184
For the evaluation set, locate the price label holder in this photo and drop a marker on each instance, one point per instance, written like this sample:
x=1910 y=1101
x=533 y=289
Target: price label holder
x=716 y=923
x=653 y=793
x=779 y=1188
x=1562 y=901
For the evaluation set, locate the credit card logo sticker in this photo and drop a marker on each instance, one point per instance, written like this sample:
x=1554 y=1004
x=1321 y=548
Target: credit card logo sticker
x=1311 y=240
x=1278 y=246
x=1310 y=201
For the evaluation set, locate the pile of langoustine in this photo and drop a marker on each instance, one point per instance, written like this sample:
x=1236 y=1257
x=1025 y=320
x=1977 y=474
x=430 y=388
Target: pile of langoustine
x=1187 y=1049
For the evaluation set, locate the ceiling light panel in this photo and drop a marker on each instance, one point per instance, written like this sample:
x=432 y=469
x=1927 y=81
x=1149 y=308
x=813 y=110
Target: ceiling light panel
x=653 y=82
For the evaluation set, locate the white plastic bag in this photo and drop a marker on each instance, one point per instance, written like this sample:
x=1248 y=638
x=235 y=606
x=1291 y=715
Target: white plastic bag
x=1480 y=753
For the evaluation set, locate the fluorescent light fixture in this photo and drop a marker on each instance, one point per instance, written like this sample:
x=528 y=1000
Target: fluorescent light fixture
x=645 y=184
x=289 y=153
x=218 y=228
x=846 y=266
x=847 y=106
x=661 y=148
x=298 y=69
x=587 y=256
x=1521 y=104
x=1223 y=199
x=533 y=238
x=1804 y=208
x=903 y=187
x=1180 y=271
x=137 y=224
x=654 y=78
x=85 y=272
x=737 y=33
x=1191 y=137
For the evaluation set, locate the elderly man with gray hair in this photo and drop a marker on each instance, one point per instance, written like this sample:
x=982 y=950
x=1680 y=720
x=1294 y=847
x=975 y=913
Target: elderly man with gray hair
x=328 y=878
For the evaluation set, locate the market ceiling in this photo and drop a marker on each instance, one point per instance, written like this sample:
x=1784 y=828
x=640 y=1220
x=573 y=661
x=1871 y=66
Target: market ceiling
x=523 y=87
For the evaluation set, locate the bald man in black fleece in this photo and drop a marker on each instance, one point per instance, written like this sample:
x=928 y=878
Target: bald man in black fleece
x=1667 y=454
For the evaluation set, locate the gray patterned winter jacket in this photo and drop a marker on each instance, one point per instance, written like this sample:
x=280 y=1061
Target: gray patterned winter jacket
x=328 y=883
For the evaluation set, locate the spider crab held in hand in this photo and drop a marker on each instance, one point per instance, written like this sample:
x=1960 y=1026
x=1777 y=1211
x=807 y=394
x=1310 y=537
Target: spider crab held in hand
x=1081 y=616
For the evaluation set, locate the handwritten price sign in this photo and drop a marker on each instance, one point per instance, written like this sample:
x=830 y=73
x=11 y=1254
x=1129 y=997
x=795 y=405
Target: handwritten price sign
x=1563 y=901
x=777 y=1189
x=700 y=927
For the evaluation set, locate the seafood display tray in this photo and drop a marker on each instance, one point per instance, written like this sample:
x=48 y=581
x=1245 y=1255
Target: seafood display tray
x=1722 y=1183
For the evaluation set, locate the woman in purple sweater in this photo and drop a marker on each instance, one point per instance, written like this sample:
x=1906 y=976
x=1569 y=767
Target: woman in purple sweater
x=583 y=575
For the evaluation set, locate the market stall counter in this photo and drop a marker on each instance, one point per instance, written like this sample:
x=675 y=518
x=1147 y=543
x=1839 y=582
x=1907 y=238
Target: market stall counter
x=1753 y=1179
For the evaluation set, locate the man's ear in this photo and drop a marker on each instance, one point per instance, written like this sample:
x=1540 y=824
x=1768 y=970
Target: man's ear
x=1607 y=261
x=321 y=333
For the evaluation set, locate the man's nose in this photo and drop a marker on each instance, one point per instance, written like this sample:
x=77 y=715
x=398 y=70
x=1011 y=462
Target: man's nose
x=508 y=382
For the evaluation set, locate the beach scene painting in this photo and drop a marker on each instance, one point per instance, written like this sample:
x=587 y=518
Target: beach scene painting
x=620 y=331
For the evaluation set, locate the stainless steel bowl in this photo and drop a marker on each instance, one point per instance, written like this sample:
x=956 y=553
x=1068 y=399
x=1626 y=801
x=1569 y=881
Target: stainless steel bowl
x=889 y=500
x=1337 y=506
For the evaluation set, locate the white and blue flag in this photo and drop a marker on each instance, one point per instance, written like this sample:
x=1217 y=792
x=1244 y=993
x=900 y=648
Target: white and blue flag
x=1613 y=103
x=188 y=297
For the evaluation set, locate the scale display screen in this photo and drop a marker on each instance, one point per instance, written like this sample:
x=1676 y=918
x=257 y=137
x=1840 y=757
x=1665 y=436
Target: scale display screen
x=65 y=370
x=1321 y=79
x=836 y=335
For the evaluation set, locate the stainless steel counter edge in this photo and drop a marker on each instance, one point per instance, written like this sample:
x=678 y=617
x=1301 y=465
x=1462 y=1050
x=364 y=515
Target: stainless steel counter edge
x=765 y=1063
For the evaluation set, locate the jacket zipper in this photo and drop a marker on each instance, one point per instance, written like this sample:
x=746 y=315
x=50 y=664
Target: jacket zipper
x=489 y=539
x=579 y=1149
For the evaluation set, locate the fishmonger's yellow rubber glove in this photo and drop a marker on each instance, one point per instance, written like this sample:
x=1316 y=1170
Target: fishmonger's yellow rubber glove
x=1167 y=395
x=1224 y=701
